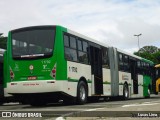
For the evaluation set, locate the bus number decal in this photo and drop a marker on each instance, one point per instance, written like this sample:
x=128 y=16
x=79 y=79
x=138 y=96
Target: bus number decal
x=73 y=69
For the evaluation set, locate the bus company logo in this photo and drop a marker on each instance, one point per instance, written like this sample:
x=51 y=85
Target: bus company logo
x=6 y=114
x=31 y=67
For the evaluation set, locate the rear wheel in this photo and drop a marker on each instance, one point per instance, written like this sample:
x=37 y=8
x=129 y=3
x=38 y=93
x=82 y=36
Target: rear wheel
x=82 y=93
x=125 y=92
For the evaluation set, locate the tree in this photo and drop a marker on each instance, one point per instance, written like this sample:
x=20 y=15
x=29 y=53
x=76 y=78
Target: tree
x=149 y=52
x=149 y=49
x=3 y=42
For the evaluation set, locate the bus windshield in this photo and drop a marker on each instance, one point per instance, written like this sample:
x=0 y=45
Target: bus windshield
x=32 y=43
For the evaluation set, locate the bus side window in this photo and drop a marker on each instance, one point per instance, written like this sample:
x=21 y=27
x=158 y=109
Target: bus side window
x=105 y=59
x=73 y=42
x=85 y=46
x=82 y=51
x=120 y=62
x=70 y=48
x=66 y=41
x=79 y=42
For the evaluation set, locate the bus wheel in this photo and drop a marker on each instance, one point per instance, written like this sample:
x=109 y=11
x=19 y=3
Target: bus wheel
x=125 y=92
x=82 y=93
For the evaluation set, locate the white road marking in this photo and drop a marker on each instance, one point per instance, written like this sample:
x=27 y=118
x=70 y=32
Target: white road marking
x=94 y=109
x=143 y=104
x=59 y=118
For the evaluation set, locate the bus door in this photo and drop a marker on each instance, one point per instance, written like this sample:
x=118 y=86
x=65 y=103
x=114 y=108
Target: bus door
x=96 y=68
x=134 y=75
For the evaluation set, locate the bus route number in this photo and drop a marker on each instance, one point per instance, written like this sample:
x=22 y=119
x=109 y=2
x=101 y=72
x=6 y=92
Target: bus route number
x=73 y=69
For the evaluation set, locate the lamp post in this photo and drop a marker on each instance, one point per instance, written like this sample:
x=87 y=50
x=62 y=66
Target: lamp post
x=138 y=39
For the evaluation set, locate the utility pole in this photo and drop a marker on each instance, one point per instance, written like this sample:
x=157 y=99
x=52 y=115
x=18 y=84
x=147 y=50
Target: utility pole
x=138 y=40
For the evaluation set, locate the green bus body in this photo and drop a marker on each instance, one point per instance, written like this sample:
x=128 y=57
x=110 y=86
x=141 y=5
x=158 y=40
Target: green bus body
x=25 y=75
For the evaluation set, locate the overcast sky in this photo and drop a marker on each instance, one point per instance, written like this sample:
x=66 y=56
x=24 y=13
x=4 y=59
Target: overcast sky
x=113 y=22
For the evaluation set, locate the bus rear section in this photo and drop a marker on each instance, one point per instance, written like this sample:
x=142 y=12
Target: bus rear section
x=34 y=75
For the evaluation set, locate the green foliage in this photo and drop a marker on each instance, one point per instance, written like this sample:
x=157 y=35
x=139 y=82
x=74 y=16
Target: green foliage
x=149 y=52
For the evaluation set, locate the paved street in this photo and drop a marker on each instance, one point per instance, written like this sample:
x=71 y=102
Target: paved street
x=101 y=110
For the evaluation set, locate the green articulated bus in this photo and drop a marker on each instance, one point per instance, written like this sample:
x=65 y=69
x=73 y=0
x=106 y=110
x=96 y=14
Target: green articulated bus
x=46 y=64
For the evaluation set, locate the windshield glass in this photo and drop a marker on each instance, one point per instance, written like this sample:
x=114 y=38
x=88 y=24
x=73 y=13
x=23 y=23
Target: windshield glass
x=33 y=42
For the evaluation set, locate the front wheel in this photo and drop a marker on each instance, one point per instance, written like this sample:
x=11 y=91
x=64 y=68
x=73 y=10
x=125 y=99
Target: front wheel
x=82 y=93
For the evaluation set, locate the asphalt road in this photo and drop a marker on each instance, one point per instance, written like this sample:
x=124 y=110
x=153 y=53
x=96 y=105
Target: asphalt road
x=102 y=110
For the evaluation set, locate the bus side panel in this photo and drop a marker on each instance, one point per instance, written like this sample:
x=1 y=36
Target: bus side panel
x=75 y=72
x=7 y=56
x=61 y=73
x=106 y=82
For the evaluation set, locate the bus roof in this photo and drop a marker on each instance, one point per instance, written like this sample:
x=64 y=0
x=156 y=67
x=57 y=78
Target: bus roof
x=87 y=38
x=105 y=45
x=132 y=55
x=148 y=61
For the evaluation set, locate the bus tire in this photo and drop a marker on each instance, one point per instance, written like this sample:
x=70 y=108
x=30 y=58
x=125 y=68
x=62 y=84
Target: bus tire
x=125 y=92
x=82 y=93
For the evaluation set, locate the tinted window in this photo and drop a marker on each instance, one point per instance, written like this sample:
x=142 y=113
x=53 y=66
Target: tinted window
x=120 y=57
x=76 y=49
x=66 y=41
x=83 y=57
x=79 y=45
x=105 y=59
x=73 y=42
x=85 y=45
x=33 y=41
x=121 y=62
x=70 y=54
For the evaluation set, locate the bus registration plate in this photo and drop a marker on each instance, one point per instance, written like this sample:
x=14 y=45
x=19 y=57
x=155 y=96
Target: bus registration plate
x=32 y=78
